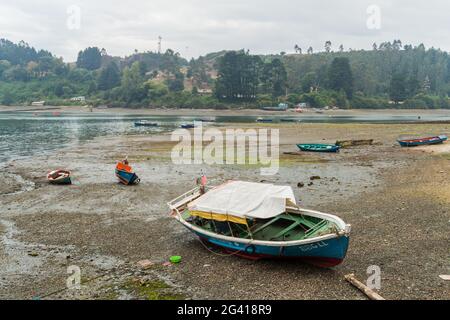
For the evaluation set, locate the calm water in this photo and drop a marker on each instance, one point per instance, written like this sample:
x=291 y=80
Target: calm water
x=23 y=134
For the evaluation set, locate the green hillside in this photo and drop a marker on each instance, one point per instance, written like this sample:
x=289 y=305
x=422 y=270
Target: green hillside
x=390 y=75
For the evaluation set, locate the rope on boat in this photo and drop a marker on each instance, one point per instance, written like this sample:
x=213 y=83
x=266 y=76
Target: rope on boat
x=225 y=254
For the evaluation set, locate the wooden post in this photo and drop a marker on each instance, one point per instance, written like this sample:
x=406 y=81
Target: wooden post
x=363 y=288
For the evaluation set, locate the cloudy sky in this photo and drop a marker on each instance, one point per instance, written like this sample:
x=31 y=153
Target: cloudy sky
x=194 y=27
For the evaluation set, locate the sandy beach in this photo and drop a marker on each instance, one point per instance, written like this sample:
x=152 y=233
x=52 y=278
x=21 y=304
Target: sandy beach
x=396 y=199
x=226 y=112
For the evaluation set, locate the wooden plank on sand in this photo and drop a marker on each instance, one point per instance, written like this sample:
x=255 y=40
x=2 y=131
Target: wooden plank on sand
x=363 y=288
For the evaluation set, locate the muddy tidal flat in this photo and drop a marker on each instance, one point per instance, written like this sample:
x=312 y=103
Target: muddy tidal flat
x=397 y=201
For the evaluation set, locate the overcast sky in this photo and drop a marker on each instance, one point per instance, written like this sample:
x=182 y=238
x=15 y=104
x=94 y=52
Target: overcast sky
x=194 y=27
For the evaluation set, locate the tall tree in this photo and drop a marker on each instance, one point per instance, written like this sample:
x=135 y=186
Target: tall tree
x=274 y=78
x=90 y=59
x=176 y=84
x=238 y=76
x=328 y=46
x=109 y=77
x=133 y=88
x=340 y=76
x=397 y=88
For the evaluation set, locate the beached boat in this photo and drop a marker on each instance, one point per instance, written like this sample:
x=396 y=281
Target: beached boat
x=289 y=120
x=145 y=123
x=206 y=119
x=422 y=141
x=187 y=126
x=264 y=120
x=126 y=175
x=256 y=220
x=61 y=177
x=315 y=147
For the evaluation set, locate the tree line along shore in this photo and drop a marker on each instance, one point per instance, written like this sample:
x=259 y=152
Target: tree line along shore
x=390 y=75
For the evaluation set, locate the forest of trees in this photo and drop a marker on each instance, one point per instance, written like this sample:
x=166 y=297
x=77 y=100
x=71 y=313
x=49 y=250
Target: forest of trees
x=390 y=75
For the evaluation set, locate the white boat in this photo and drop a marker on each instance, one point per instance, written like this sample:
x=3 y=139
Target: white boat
x=257 y=220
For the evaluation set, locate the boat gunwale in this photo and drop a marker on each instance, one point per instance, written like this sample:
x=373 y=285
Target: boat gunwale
x=344 y=228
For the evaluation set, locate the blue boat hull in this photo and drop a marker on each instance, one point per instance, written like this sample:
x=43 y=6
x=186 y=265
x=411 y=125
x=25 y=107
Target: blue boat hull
x=422 y=142
x=139 y=124
x=325 y=253
x=127 y=178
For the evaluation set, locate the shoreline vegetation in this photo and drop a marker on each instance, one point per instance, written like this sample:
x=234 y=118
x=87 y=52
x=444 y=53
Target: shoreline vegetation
x=391 y=75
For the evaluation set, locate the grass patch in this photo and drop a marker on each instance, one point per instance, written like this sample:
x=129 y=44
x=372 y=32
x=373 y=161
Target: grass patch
x=153 y=290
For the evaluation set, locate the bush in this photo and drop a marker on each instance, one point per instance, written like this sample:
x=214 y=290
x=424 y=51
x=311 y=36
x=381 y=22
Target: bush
x=363 y=102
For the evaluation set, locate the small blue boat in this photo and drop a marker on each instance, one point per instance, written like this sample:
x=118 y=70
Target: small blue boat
x=187 y=126
x=125 y=175
x=256 y=221
x=422 y=141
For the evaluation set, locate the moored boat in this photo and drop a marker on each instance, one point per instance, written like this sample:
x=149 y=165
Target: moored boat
x=315 y=147
x=422 y=141
x=256 y=220
x=206 y=119
x=61 y=177
x=264 y=120
x=126 y=175
x=187 y=126
x=145 y=123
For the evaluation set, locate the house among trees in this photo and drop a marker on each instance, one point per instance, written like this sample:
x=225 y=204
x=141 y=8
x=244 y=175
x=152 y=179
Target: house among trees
x=80 y=99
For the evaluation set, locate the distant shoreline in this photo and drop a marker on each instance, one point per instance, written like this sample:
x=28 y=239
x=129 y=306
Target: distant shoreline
x=216 y=112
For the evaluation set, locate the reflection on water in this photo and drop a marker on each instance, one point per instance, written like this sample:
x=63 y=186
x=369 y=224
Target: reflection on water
x=24 y=134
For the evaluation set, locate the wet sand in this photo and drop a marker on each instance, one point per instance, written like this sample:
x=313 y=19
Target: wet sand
x=396 y=199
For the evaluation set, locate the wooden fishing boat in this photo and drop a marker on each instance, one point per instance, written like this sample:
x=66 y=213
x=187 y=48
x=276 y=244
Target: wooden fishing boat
x=206 y=119
x=289 y=120
x=264 y=120
x=315 y=147
x=145 y=123
x=256 y=220
x=125 y=174
x=422 y=141
x=60 y=177
x=187 y=126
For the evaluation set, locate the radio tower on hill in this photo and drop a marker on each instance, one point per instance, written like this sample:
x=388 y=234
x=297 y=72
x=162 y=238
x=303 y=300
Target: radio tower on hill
x=159 y=44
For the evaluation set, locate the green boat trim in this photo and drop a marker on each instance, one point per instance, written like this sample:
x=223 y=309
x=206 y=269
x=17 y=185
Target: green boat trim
x=285 y=227
x=317 y=147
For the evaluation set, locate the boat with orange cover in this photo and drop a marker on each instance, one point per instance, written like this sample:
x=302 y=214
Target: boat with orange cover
x=125 y=174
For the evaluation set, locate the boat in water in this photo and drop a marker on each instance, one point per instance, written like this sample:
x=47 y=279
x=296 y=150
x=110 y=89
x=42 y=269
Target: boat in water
x=257 y=220
x=187 y=126
x=206 y=119
x=145 y=123
x=126 y=175
x=60 y=177
x=316 y=147
x=422 y=141
x=264 y=120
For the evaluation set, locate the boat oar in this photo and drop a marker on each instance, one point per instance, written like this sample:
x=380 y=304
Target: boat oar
x=363 y=288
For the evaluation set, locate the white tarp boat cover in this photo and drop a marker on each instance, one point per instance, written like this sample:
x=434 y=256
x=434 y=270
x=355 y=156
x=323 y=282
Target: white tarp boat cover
x=245 y=200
